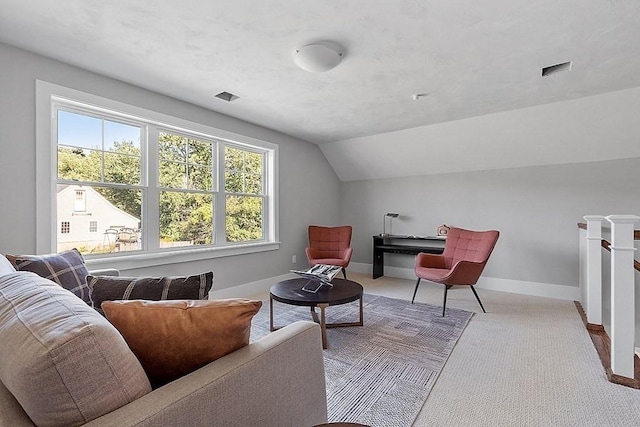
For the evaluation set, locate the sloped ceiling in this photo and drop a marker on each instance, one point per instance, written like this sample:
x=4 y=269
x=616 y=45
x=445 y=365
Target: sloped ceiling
x=470 y=58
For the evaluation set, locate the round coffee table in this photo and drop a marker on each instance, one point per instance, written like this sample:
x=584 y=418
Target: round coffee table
x=343 y=291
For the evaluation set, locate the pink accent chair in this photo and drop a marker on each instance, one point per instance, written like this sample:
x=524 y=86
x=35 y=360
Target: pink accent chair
x=330 y=245
x=465 y=254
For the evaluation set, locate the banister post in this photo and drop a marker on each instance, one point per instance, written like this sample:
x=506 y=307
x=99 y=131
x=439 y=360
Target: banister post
x=594 y=270
x=622 y=294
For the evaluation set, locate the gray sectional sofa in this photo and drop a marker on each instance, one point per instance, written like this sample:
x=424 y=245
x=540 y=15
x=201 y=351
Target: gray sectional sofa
x=275 y=381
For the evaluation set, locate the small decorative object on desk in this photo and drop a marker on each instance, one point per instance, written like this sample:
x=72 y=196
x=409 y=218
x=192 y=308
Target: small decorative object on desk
x=318 y=275
x=443 y=230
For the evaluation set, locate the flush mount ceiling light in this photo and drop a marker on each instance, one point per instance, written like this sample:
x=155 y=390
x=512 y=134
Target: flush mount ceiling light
x=318 y=57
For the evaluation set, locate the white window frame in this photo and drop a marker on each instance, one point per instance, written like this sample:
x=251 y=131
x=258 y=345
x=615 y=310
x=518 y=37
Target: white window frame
x=46 y=168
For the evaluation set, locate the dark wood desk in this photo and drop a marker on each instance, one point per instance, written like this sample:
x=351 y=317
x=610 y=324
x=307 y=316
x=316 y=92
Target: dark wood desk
x=402 y=245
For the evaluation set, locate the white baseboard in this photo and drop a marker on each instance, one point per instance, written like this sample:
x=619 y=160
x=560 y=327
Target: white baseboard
x=547 y=290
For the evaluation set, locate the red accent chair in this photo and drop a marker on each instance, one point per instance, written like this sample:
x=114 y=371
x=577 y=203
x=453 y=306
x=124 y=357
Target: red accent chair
x=330 y=245
x=466 y=252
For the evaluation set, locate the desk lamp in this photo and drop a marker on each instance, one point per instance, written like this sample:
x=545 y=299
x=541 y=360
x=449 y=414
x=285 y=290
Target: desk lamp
x=384 y=223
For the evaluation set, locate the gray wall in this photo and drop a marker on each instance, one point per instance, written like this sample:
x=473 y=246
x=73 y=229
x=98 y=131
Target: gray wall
x=303 y=168
x=535 y=208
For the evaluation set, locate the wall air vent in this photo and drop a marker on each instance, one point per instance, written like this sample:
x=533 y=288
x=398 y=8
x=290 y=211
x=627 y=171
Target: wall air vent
x=226 y=96
x=558 y=68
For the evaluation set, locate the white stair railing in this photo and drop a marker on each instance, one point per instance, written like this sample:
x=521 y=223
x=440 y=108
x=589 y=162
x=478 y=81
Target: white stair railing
x=623 y=299
x=620 y=324
x=593 y=269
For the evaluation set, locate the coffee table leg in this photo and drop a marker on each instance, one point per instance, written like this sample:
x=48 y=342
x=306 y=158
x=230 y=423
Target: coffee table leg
x=323 y=325
x=271 y=313
x=361 y=312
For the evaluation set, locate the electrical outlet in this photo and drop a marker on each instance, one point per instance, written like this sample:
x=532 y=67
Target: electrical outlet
x=293 y=259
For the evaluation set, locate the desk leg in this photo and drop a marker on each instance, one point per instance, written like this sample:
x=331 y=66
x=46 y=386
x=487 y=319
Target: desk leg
x=378 y=263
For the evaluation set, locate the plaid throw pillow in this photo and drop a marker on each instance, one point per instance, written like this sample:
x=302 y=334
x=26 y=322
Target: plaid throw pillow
x=67 y=269
x=110 y=288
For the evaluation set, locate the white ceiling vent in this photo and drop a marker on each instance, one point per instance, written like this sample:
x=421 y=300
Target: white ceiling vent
x=227 y=96
x=558 y=68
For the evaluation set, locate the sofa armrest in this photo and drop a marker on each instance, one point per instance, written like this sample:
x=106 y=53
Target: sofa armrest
x=275 y=381
x=105 y=272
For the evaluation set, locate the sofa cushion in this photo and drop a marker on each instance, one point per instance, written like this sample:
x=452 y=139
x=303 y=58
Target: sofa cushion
x=5 y=266
x=66 y=268
x=109 y=288
x=62 y=361
x=173 y=338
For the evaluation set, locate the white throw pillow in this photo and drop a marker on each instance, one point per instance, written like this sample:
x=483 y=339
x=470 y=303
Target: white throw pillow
x=5 y=266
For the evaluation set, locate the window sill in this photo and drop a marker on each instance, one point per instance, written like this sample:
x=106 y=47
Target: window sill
x=152 y=259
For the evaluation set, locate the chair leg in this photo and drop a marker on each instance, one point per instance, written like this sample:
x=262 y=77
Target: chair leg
x=444 y=303
x=415 y=291
x=478 y=298
x=344 y=273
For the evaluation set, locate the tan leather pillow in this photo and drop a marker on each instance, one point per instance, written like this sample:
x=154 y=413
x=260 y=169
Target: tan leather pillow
x=173 y=338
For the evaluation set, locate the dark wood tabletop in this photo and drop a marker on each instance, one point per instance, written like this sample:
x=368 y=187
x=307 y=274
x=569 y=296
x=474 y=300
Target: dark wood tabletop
x=290 y=292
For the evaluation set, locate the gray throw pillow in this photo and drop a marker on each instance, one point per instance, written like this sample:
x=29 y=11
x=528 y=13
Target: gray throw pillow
x=66 y=268
x=63 y=362
x=109 y=288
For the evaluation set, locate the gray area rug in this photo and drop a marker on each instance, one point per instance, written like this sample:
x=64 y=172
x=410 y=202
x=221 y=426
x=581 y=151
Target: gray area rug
x=379 y=374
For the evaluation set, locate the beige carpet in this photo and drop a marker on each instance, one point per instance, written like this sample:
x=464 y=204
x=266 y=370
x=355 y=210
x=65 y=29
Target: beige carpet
x=527 y=362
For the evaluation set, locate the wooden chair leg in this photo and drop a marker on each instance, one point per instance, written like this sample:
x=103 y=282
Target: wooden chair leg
x=344 y=273
x=478 y=298
x=444 y=303
x=415 y=291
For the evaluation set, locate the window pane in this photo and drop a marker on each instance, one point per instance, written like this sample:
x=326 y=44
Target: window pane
x=200 y=178
x=243 y=171
x=173 y=175
x=253 y=184
x=79 y=164
x=244 y=218
x=79 y=130
x=121 y=169
x=253 y=163
x=232 y=158
x=117 y=159
x=172 y=147
x=116 y=210
x=118 y=134
x=185 y=219
x=233 y=182
x=200 y=153
x=185 y=163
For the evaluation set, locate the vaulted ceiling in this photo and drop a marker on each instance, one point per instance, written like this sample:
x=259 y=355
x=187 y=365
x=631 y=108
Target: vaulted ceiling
x=470 y=58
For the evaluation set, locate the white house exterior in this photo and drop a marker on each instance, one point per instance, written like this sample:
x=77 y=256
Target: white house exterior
x=89 y=222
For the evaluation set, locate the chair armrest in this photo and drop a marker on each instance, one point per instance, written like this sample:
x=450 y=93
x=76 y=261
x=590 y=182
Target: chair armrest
x=430 y=260
x=465 y=273
x=275 y=381
x=313 y=253
x=346 y=254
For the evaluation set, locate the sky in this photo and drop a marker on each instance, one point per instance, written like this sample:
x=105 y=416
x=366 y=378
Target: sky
x=85 y=131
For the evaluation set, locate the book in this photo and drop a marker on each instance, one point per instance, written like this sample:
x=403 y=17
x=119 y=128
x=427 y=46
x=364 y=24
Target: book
x=323 y=272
